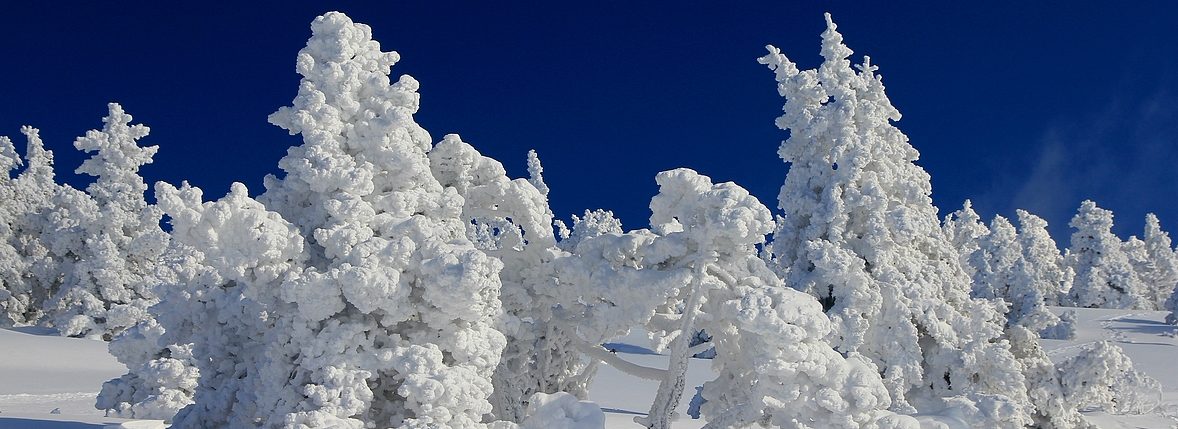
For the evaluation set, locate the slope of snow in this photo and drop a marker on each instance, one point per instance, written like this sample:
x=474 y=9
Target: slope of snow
x=40 y=372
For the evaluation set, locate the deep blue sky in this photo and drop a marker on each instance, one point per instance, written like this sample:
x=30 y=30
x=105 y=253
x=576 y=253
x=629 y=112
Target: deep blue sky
x=1033 y=105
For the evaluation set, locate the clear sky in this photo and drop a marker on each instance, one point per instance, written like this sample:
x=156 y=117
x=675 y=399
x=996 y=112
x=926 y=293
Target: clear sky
x=1034 y=105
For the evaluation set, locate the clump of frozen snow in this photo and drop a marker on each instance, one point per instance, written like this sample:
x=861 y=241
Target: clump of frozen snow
x=562 y=410
x=1064 y=330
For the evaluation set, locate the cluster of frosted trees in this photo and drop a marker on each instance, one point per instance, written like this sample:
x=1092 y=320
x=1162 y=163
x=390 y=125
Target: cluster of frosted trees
x=1025 y=268
x=388 y=280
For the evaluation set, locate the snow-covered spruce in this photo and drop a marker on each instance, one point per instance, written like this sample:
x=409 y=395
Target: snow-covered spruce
x=1044 y=264
x=511 y=221
x=965 y=230
x=1104 y=276
x=16 y=298
x=1159 y=271
x=1102 y=377
x=30 y=273
x=862 y=235
x=361 y=298
x=109 y=240
x=1001 y=273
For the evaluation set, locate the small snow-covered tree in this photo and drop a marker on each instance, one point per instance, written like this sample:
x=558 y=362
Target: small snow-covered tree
x=1102 y=376
x=1104 y=276
x=965 y=230
x=112 y=266
x=161 y=378
x=862 y=236
x=1044 y=264
x=1142 y=265
x=1160 y=272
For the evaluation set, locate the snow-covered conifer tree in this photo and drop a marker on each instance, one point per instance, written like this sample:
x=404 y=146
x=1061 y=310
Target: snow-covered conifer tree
x=862 y=235
x=1002 y=273
x=112 y=265
x=1160 y=273
x=1044 y=263
x=965 y=229
x=511 y=221
x=1104 y=276
x=14 y=295
x=34 y=273
x=386 y=314
x=1142 y=265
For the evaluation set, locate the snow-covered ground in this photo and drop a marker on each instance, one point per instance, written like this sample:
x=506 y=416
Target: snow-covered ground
x=40 y=373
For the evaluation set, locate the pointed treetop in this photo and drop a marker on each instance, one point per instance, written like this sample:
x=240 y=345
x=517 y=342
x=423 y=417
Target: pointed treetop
x=1153 y=227
x=1028 y=220
x=1091 y=216
x=117 y=153
x=40 y=159
x=535 y=173
x=832 y=42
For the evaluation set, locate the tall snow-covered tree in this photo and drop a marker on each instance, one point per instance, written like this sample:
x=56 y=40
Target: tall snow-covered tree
x=1160 y=273
x=863 y=236
x=107 y=287
x=1104 y=276
x=390 y=317
x=1044 y=263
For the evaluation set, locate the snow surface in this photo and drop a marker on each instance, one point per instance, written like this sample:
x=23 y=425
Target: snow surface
x=40 y=372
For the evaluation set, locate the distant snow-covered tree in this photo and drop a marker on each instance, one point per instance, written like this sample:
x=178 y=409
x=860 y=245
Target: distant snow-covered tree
x=1104 y=276
x=1160 y=271
x=1044 y=263
x=1001 y=272
x=965 y=230
x=1142 y=265
x=862 y=236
